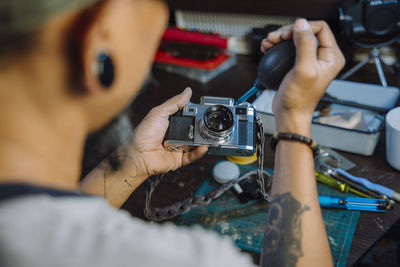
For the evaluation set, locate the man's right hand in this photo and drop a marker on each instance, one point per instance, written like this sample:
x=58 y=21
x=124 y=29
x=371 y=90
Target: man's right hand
x=315 y=68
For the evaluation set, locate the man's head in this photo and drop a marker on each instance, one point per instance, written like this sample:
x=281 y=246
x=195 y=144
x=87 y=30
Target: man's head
x=56 y=43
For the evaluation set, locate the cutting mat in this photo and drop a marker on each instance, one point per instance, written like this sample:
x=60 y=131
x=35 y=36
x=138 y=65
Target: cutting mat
x=245 y=223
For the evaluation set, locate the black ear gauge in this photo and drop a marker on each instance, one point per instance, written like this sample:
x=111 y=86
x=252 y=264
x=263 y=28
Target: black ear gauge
x=104 y=69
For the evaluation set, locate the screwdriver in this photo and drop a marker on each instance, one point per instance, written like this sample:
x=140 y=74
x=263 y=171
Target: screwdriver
x=343 y=187
x=356 y=186
x=370 y=185
x=353 y=203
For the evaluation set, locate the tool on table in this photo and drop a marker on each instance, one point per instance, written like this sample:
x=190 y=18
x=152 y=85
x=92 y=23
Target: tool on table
x=326 y=164
x=330 y=157
x=370 y=185
x=356 y=186
x=353 y=203
x=344 y=187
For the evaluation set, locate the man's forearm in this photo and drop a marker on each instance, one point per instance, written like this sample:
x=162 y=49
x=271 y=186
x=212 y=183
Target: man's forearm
x=295 y=234
x=115 y=185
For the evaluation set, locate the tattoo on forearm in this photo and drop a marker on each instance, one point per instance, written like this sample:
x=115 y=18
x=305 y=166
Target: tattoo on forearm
x=282 y=237
x=110 y=168
x=126 y=181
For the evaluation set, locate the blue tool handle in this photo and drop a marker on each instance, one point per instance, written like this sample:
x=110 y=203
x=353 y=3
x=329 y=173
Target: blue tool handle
x=351 y=203
x=330 y=202
x=248 y=94
x=368 y=184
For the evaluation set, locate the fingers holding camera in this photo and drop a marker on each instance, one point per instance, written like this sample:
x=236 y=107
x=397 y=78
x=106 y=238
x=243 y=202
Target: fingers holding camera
x=174 y=104
x=191 y=156
x=152 y=128
x=147 y=146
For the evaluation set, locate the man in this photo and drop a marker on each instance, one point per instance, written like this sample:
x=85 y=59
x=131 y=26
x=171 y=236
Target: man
x=67 y=68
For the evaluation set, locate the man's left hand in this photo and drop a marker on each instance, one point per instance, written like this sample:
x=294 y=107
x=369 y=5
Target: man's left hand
x=148 y=139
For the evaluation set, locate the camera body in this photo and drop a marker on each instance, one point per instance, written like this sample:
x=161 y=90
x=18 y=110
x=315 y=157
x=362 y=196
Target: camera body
x=370 y=17
x=226 y=129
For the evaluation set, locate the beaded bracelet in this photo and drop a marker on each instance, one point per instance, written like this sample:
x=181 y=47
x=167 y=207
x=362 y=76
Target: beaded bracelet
x=293 y=137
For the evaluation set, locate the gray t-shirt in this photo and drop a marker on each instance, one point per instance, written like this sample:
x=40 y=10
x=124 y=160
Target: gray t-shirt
x=42 y=230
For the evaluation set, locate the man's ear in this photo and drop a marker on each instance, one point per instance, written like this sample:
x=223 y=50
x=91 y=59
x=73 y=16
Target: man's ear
x=78 y=44
x=91 y=34
x=96 y=57
x=121 y=35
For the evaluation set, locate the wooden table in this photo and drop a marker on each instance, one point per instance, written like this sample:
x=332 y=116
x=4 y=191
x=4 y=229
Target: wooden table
x=233 y=83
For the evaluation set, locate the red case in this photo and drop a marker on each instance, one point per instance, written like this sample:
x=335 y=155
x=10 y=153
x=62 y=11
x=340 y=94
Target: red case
x=177 y=35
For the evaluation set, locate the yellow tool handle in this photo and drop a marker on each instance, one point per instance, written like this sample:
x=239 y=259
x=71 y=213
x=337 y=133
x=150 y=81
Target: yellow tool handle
x=343 y=187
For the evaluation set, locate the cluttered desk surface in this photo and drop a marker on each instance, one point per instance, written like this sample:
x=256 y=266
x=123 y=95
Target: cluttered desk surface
x=233 y=83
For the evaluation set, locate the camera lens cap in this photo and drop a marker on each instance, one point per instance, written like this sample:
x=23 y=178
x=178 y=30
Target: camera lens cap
x=225 y=171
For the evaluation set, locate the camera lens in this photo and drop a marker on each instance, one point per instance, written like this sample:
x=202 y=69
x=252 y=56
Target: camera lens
x=218 y=118
x=217 y=123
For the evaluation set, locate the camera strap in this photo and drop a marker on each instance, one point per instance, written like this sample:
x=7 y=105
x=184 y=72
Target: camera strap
x=263 y=179
x=260 y=158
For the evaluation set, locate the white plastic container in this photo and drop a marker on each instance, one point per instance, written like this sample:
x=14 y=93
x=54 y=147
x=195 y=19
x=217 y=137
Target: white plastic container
x=393 y=138
x=355 y=141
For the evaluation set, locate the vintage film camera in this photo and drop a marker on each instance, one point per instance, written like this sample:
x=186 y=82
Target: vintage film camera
x=370 y=17
x=226 y=129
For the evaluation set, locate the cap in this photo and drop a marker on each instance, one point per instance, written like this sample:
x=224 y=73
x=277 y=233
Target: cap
x=25 y=15
x=225 y=171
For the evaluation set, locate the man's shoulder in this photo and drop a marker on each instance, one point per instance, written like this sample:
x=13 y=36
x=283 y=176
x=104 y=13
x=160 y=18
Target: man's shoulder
x=99 y=235
x=47 y=212
x=23 y=203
